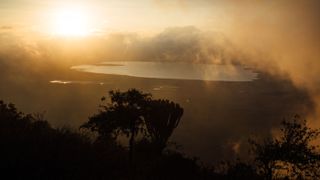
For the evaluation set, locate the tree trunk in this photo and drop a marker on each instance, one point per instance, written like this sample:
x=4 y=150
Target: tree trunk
x=131 y=146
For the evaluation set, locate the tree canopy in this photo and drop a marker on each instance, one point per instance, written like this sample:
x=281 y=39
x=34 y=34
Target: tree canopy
x=133 y=112
x=291 y=155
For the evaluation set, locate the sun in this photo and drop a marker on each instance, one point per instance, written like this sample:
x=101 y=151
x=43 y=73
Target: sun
x=71 y=22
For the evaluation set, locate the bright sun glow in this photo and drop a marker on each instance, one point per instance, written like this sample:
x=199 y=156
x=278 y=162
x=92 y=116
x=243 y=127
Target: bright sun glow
x=71 y=22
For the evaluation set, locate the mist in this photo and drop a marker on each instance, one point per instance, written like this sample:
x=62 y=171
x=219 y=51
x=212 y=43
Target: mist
x=280 y=37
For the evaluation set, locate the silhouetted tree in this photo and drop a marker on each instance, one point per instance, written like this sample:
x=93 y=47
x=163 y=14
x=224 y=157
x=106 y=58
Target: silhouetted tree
x=291 y=155
x=132 y=112
x=161 y=118
x=241 y=170
x=123 y=115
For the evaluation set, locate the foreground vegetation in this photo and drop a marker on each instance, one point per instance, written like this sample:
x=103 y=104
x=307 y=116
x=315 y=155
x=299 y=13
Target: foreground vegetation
x=31 y=148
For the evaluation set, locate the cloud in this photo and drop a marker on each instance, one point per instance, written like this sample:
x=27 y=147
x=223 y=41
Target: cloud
x=278 y=37
x=281 y=37
x=6 y=27
x=187 y=44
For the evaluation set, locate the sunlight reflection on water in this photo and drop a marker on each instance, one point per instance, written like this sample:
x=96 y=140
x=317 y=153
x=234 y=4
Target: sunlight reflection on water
x=75 y=82
x=169 y=70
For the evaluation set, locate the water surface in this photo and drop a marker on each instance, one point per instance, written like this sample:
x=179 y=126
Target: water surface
x=170 y=70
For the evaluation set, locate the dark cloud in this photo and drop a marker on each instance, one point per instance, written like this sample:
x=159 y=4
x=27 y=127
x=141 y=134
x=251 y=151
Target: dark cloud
x=187 y=44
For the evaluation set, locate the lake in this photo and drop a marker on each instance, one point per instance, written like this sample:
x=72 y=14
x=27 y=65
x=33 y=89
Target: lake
x=172 y=70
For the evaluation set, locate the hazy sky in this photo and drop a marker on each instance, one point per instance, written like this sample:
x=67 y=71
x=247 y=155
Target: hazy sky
x=146 y=16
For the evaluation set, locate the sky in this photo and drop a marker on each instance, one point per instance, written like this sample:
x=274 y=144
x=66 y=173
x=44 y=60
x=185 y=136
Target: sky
x=107 y=15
